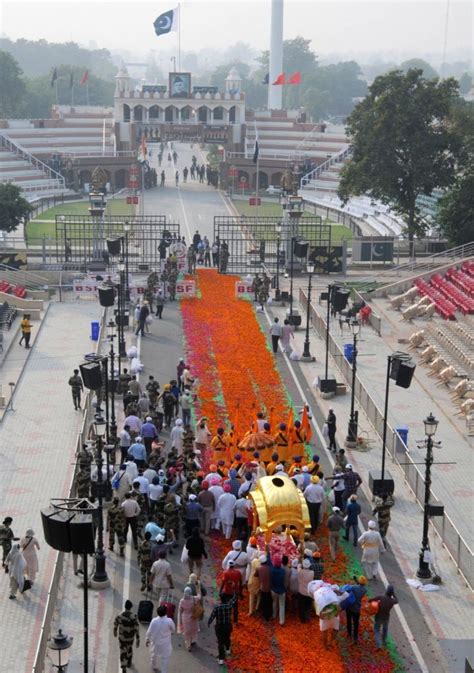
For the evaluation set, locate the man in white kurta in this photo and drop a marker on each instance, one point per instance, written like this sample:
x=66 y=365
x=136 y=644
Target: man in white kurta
x=159 y=637
x=372 y=546
x=225 y=509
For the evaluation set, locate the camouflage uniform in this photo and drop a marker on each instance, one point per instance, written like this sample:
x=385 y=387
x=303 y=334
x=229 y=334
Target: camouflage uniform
x=116 y=526
x=142 y=517
x=127 y=628
x=173 y=277
x=145 y=561
x=172 y=512
x=6 y=538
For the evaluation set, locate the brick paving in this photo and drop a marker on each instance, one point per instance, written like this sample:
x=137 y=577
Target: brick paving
x=37 y=442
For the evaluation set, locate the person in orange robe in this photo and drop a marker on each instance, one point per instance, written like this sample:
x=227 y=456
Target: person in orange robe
x=282 y=443
x=219 y=446
x=266 y=453
x=237 y=462
x=299 y=438
x=313 y=465
x=272 y=464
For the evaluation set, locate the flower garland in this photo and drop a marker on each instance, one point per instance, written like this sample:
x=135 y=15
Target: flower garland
x=236 y=377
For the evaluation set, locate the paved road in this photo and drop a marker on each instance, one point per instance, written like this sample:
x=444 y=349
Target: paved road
x=192 y=204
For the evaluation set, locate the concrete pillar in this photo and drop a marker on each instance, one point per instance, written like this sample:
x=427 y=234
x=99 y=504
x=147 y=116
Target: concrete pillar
x=275 y=93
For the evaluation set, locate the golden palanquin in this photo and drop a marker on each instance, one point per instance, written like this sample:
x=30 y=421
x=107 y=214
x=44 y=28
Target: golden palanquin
x=277 y=501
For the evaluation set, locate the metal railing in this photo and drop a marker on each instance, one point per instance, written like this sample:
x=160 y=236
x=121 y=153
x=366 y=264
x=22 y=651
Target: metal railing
x=54 y=585
x=452 y=539
x=22 y=277
x=457 y=253
x=20 y=151
x=337 y=215
x=316 y=172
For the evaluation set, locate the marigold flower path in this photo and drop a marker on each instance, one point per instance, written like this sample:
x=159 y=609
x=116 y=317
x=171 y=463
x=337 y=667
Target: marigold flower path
x=236 y=373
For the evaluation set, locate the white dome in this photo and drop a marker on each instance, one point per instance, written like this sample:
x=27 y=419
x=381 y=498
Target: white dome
x=234 y=74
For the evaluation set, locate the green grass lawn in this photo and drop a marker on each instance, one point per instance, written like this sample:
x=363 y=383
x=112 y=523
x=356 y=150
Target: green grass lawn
x=37 y=228
x=338 y=231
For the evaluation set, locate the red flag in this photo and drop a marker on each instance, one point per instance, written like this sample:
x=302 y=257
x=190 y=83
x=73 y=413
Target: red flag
x=295 y=78
x=306 y=425
x=84 y=77
x=290 y=428
x=280 y=79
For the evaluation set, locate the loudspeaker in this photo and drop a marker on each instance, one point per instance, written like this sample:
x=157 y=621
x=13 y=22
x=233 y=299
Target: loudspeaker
x=379 y=486
x=435 y=509
x=55 y=528
x=91 y=373
x=300 y=248
x=339 y=299
x=106 y=296
x=114 y=246
x=285 y=295
x=404 y=373
x=328 y=385
x=82 y=534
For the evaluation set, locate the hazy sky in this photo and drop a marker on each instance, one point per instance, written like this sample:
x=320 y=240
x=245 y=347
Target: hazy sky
x=377 y=26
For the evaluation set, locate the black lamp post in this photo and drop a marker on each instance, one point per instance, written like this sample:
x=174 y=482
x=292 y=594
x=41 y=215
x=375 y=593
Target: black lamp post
x=431 y=425
x=352 y=429
x=59 y=651
x=126 y=228
x=306 y=351
x=100 y=578
x=113 y=423
x=121 y=309
x=277 y=284
x=293 y=239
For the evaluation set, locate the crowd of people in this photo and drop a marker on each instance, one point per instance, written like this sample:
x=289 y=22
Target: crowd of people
x=165 y=499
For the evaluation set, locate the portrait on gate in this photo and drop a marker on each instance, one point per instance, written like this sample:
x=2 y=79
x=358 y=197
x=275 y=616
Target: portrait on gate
x=180 y=84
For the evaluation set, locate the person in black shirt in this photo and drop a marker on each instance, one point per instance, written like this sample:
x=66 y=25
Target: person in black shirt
x=222 y=614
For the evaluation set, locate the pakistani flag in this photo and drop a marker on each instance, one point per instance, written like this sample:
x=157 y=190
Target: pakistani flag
x=167 y=22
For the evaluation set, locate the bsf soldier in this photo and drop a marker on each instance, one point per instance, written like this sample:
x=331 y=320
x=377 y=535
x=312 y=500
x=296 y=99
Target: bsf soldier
x=153 y=390
x=126 y=627
x=116 y=525
x=143 y=504
x=256 y=285
x=145 y=560
x=77 y=387
x=173 y=277
x=219 y=446
x=83 y=479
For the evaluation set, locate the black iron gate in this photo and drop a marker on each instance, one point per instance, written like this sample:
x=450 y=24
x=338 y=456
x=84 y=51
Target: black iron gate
x=253 y=242
x=81 y=240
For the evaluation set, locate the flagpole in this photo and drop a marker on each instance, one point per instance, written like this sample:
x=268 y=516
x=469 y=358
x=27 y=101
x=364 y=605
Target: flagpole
x=87 y=91
x=258 y=170
x=179 y=36
x=72 y=93
x=56 y=87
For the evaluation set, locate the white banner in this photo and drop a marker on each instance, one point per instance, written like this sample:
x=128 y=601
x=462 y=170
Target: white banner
x=186 y=288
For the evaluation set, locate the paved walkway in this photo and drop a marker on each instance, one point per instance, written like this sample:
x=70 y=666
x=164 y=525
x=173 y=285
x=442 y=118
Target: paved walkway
x=445 y=613
x=37 y=442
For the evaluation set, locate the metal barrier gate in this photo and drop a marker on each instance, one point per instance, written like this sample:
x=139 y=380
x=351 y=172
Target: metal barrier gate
x=252 y=242
x=82 y=240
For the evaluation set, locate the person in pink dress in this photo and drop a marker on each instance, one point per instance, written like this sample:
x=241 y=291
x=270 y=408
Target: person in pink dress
x=28 y=545
x=187 y=623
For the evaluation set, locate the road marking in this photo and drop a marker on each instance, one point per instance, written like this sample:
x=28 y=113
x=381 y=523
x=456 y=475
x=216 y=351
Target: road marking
x=403 y=622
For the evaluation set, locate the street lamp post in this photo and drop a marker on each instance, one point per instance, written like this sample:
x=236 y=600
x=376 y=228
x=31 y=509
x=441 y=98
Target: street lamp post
x=112 y=434
x=121 y=310
x=352 y=430
x=100 y=578
x=431 y=425
x=277 y=285
x=126 y=228
x=306 y=351
x=59 y=650
x=293 y=239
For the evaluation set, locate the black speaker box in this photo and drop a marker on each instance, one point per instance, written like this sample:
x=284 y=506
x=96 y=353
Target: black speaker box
x=106 y=296
x=114 y=246
x=91 y=373
x=435 y=509
x=328 y=385
x=404 y=374
x=82 y=534
x=56 y=528
x=339 y=299
x=379 y=486
x=300 y=248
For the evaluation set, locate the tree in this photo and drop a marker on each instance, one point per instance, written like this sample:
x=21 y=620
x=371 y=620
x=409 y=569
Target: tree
x=465 y=82
x=13 y=207
x=455 y=216
x=330 y=89
x=255 y=91
x=402 y=145
x=419 y=64
x=12 y=86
